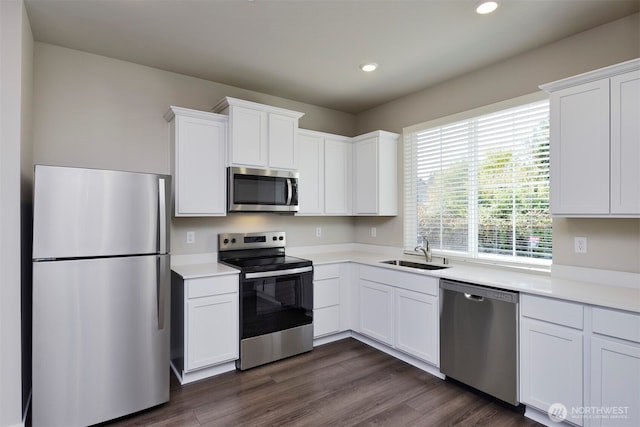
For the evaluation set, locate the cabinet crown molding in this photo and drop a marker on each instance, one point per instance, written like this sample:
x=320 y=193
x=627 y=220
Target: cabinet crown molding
x=378 y=133
x=234 y=102
x=590 y=76
x=174 y=111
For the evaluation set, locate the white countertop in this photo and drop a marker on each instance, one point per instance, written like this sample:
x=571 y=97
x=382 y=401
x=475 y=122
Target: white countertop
x=607 y=295
x=582 y=291
x=206 y=269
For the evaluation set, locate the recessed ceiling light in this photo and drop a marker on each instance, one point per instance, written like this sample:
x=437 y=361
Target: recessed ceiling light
x=485 y=7
x=369 y=67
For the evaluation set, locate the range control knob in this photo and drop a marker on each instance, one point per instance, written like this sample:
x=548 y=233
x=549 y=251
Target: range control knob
x=274 y=238
x=281 y=238
x=225 y=241
x=233 y=240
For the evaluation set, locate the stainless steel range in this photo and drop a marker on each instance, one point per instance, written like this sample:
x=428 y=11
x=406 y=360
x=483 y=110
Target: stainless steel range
x=276 y=304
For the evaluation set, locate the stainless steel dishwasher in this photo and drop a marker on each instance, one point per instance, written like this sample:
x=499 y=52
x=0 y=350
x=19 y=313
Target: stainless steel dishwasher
x=479 y=338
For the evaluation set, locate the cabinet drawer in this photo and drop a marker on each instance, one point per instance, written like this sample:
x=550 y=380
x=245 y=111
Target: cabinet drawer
x=322 y=272
x=207 y=286
x=326 y=293
x=399 y=279
x=552 y=310
x=614 y=323
x=326 y=321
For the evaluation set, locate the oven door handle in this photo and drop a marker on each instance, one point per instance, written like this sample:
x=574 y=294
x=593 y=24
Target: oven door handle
x=275 y=273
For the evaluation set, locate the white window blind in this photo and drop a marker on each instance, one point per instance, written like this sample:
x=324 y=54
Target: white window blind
x=479 y=187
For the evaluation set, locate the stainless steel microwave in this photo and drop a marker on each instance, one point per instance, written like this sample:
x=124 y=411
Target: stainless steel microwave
x=262 y=190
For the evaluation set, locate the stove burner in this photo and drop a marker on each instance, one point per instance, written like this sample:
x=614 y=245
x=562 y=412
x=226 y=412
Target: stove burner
x=252 y=252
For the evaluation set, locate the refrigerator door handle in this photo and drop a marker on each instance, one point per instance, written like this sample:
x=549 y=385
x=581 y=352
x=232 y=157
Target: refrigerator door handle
x=162 y=216
x=161 y=288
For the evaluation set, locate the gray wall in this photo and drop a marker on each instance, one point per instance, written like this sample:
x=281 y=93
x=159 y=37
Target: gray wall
x=16 y=50
x=99 y=112
x=613 y=243
x=93 y=111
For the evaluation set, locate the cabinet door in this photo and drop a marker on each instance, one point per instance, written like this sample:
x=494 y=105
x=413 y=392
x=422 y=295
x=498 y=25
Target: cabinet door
x=417 y=327
x=580 y=150
x=282 y=141
x=551 y=366
x=248 y=137
x=625 y=144
x=200 y=188
x=615 y=382
x=376 y=311
x=337 y=178
x=366 y=177
x=212 y=330
x=310 y=161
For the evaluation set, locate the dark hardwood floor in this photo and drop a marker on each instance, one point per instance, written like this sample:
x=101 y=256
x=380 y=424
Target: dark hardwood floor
x=345 y=383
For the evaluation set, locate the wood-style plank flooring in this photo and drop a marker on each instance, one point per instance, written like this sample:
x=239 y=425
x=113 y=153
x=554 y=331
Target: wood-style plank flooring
x=344 y=383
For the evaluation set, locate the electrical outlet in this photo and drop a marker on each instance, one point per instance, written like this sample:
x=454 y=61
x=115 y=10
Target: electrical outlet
x=580 y=245
x=191 y=237
x=374 y=232
x=318 y=232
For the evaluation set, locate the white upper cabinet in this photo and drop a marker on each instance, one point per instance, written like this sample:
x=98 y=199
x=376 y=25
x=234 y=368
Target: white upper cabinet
x=283 y=132
x=595 y=143
x=198 y=141
x=580 y=149
x=324 y=164
x=625 y=144
x=310 y=164
x=347 y=176
x=338 y=176
x=376 y=174
x=260 y=136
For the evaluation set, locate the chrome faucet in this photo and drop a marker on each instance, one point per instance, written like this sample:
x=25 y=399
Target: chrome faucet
x=426 y=251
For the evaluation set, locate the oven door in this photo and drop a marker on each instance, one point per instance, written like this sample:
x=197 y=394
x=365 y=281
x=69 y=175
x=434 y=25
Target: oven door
x=262 y=190
x=274 y=301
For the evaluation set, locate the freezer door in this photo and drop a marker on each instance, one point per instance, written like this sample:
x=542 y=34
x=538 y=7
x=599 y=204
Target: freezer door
x=92 y=213
x=100 y=338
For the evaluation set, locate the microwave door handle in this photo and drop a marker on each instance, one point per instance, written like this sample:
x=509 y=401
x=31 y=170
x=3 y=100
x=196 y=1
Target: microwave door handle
x=289 y=191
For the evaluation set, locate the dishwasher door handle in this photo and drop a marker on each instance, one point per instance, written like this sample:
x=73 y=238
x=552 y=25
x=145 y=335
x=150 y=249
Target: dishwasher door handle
x=471 y=297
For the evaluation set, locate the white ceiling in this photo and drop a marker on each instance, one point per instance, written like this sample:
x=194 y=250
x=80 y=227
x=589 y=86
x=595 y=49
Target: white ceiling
x=310 y=50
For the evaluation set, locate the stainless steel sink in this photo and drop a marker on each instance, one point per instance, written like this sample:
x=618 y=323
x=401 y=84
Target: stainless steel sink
x=410 y=264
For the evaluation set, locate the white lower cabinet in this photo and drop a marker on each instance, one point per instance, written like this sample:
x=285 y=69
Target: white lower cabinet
x=401 y=310
x=209 y=340
x=204 y=324
x=551 y=366
x=551 y=343
x=416 y=325
x=586 y=358
x=615 y=369
x=326 y=300
x=615 y=383
x=376 y=311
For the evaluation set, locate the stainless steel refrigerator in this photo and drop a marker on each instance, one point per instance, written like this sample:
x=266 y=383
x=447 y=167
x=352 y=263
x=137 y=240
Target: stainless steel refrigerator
x=101 y=284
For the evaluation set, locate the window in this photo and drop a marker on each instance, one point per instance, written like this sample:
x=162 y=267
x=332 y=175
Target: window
x=478 y=187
